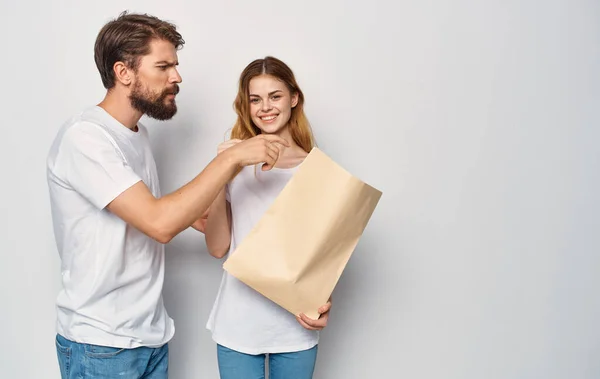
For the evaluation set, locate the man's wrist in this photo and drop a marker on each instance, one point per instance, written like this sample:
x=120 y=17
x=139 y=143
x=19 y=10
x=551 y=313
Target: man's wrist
x=230 y=159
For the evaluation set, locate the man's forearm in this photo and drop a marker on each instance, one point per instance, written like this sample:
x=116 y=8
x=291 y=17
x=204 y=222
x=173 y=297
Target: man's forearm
x=164 y=218
x=181 y=208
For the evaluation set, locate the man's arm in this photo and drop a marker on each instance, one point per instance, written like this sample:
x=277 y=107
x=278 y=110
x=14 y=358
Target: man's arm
x=164 y=218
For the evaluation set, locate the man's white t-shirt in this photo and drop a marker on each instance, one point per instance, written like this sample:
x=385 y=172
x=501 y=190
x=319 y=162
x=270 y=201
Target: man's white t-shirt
x=112 y=273
x=242 y=319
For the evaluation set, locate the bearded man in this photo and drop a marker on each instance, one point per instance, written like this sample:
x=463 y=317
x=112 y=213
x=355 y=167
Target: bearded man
x=111 y=221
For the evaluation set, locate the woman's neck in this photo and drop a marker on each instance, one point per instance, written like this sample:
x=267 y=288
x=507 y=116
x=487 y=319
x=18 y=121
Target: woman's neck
x=289 y=156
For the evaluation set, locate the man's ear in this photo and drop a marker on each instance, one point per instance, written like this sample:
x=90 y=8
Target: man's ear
x=123 y=74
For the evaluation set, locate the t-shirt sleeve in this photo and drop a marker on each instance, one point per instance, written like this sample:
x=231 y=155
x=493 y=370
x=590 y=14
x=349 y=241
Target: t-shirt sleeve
x=89 y=162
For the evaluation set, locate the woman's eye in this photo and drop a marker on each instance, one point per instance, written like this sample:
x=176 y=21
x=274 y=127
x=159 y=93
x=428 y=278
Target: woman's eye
x=276 y=97
x=254 y=101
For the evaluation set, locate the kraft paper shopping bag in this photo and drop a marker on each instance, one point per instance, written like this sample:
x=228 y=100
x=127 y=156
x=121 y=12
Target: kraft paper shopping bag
x=298 y=250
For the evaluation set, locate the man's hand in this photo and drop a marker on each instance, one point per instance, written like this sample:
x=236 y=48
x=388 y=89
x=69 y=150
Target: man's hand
x=259 y=149
x=319 y=324
x=227 y=144
x=262 y=148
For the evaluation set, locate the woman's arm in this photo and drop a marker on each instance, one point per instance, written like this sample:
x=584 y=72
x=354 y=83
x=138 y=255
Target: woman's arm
x=218 y=227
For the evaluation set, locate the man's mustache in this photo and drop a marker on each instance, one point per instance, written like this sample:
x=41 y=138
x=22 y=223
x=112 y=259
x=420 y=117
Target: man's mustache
x=172 y=91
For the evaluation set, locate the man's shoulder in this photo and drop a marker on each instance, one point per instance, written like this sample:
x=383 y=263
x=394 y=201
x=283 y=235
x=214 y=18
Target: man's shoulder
x=86 y=119
x=71 y=128
x=81 y=132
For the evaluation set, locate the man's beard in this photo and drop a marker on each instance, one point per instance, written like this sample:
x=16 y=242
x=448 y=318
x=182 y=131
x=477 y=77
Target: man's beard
x=152 y=104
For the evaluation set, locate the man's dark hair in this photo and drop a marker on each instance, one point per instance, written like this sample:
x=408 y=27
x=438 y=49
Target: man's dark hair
x=126 y=39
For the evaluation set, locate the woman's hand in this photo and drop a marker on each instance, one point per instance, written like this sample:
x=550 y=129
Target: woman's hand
x=318 y=324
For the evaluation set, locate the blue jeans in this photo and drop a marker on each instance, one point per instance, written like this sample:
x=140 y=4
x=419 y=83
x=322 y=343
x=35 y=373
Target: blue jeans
x=296 y=365
x=84 y=361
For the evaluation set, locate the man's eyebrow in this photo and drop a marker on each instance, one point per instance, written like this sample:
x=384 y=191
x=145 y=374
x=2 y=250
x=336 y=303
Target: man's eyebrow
x=167 y=63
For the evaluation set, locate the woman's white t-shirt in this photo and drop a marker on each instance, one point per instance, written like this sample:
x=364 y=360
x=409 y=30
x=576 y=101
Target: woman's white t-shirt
x=242 y=319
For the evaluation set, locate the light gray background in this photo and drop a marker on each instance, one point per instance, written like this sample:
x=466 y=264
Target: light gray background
x=477 y=119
